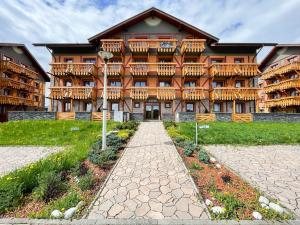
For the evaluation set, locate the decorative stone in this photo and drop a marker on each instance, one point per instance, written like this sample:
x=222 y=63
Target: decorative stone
x=218 y=210
x=276 y=208
x=212 y=160
x=70 y=213
x=208 y=202
x=56 y=214
x=218 y=166
x=257 y=215
x=264 y=200
x=80 y=205
x=263 y=205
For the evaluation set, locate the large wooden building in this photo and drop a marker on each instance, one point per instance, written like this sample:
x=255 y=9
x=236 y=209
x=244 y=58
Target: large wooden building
x=22 y=80
x=161 y=66
x=281 y=76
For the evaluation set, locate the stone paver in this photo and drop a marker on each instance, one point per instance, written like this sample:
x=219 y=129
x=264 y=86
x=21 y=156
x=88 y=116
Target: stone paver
x=275 y=169
x=150 y=182
x=12 y=157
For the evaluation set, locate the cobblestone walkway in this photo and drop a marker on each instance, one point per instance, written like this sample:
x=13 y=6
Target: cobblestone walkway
x=149 y=182
x=275 y=170
x=12 y=158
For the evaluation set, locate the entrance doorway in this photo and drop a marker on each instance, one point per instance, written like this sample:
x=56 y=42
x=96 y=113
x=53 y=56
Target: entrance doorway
x=152 y=111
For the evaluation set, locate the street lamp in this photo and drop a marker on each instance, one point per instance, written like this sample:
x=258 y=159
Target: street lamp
x=105 y=56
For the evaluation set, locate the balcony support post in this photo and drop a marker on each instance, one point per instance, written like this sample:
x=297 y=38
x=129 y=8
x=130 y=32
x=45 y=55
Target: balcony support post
x=104 y=106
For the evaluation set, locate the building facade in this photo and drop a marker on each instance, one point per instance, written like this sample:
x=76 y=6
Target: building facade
x=281 y=76
x=161 y=66
x=22 y=80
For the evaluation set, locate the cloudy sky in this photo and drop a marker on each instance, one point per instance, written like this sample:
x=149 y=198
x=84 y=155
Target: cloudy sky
x=36 y=21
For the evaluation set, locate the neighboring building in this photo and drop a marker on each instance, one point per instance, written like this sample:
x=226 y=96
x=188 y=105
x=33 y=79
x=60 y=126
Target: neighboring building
x=281 y=75
x=22 y=80
x=161 y=66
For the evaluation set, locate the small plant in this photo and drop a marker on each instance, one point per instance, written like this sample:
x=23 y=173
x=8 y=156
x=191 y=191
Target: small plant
x=80 y=169
x=86 y=182
x=115 y=142
x=189 y=149
x=125 y=134
x=130 y=125
x=179 y=139
x=226 y=179
x=50 y=185
x=100 y=157
x=10 y=195
x=196 y=166
x=203 y=156
x=169 y=123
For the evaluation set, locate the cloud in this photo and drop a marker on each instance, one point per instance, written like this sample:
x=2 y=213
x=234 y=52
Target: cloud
x=37 y=21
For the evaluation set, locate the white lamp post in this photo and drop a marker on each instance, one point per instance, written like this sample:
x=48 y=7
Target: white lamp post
x=105 y=56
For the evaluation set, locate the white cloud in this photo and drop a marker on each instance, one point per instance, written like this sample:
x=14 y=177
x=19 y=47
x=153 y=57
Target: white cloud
x=35 y=21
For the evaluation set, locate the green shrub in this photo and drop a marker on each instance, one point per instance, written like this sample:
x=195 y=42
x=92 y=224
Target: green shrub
x=114 y=141
x=50 y=185
x=10 y=195
x=100 y=157
x=203 y=156
x=189 y=148
x=179 y=139
x=130 y=125
x=80 y=169
x=188 y=152
x=196 y=166
x=125 y=134
x=169 y=123
x=86 y=182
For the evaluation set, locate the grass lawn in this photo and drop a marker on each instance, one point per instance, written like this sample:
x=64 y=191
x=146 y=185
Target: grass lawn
x=255 y=133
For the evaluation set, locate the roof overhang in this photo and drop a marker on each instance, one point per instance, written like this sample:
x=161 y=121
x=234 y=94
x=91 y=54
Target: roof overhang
x=63 y=45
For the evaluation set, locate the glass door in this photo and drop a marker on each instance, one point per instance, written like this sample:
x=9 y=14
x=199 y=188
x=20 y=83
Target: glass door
x=152 y=111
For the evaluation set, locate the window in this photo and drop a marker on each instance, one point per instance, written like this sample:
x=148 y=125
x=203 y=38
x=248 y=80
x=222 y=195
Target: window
x=168 y=105
x=89 y=60
x=190 y=60
x=37 y=85
x=240 y=83
x=114 y=106
x=190 y=107
x=165 y=84
x=22 y=95
x=165 y=60
x=6 y=92
x=115 y=83
x=190 y=84
x=216 y=60
x=139 y=60
x=238 y=60
x=68 y=83
x=136 y=105
x=140 y=84
x=68 y=60
x=89 y=84
x=36 y=98
x=294 y=93
x=217 y=84
x=67 y=107
x=217 y=107
x=87 y=107
x=23 y=80
x=240 y=108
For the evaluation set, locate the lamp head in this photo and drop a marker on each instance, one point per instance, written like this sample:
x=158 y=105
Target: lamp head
x=105 y=55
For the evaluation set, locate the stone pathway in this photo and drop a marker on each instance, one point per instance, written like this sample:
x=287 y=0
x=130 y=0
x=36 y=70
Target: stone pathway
x=12 y=157
x=150 y=182
x=275 y=170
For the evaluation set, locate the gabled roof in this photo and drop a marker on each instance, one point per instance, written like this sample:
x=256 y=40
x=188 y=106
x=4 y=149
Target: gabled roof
x=31 y=57
x=273 y=52
x=153 y=12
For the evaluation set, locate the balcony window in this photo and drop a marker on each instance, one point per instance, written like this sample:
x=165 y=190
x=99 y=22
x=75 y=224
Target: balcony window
x=240 y=83
x=190 y=60
x=23 y=95
x=190 y=107
x=89 y=60
x=238 y=60
x=114 y=106
x=89 y=84
x=217 y=84
x=165 y=60
x=87 y=107
x=36 y=98
x=115 y=84
x=140 y=60
x=68 y=83
x=137 y=105
x=240 y=108
x=68 y=60
x=23 y=80
x=217 y=107
x=294 y=93
x=6 y=75
x=190 y=84
x=140 y=84
x=216 y=60
x=168 y=105
x=6 y=92
x=67 y=107
x=165 y=84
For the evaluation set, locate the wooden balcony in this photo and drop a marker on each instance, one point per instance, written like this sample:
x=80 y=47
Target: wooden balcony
x=161 y=69
x=231 y=93
x=234 y=69
x=161 y=93
x=283 y=85
x=193 y=69
x=114 y=69
x=72 y=93
x=293 y=66
x=193 y=93
x=9 y=82
x=74 y=69
x=12 y=100
x=6 y=65
x=112 y=93
x=113 y=45
x=283 y=102
x=192 y=45
x=143 y=45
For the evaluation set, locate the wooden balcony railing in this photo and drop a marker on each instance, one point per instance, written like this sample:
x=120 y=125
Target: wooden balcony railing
x=113 y=45
x=161 y=93
x=230 y=93
x=162 y=69
x=283 y=85
x=12 y=100
x=114 y=69
x=76 y=69
x=193 y=69
x=193 y=93
x=72 y=92
x=192 y=45
x=234 y=69
x=6 y=65
x=283 y=102
x=293 y=66
x=112 y=92
x=143 y=45
x=9 y=82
